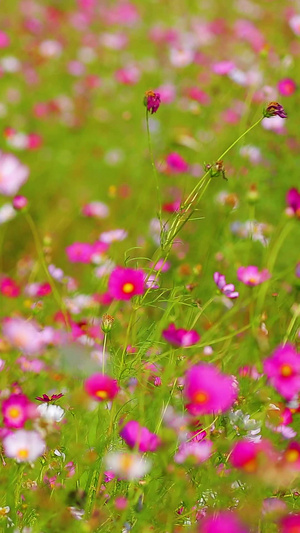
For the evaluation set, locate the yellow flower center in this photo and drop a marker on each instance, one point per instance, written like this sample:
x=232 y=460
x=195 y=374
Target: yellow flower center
x=14 y=412
x=292 y=456
x=252 y=280
x=286 y=370
x=250 y=466
x=126 y=462
x=102 y=394
x=128 y=288
x=200 y=397
x=23 y=453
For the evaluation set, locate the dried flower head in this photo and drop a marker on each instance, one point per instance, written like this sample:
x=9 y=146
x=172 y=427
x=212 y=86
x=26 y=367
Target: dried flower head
x=152 y=101
x=274 y=109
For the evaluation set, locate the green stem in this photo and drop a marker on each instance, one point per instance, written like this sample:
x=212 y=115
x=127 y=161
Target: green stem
x=154 y=169
x=43 y=264
x=103 y=353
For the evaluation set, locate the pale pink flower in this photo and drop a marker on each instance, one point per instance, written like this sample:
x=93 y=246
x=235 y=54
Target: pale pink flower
x=25 y=446
x=13 y=174
x=23 y=335
x=127 y=465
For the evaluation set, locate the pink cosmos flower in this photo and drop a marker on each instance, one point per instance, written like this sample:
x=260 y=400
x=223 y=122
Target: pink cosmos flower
x=294 y=23
x=113 y=236
x=223 y=67
x=139 y=437
x=227 y=289
x=95 y=209
x=38 y=290
x=249 y=456
x=291 y=522
x=9 y=288
x=124 y=283
x=16 y=410
x=30 y=365
x=286 y=87
x=23 y=335
x=196 y=94
x=19 y=202
x=251 y=276
x=161 y=265
x=291 y=456
x=293 y=202
x=200 y=451
x=208 y=391
x=176 y=164
x=13 y=174
x=222 y=522
x=180 y=337
x=4 y=39
x=101 y=387
x=25 y=446
x=282 y=369
x=79 y=252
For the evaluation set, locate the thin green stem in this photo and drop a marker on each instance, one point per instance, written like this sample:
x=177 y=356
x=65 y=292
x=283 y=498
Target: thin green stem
x=154 y=169
x=103 y=353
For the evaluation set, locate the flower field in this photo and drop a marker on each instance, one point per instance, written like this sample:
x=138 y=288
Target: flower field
x=149 y=266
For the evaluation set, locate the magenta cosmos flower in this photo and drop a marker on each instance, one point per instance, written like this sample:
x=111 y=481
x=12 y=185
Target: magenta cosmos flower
x=16 y=410
x=293 y=201
x=249 y=456
x=101 y=387
x=222 y=522
x=282 y=369
x=124 y=283
x=152 y=101
x=139 y=437
x=228 y=289
x=290 y=523
x=251 y=276
x=287 y=86
x=176 y=164
x=208 y=391
x=180 y=337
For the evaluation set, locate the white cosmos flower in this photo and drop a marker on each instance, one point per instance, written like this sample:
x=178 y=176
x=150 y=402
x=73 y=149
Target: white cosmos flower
x=50 y=412
x=25 y=446
x=127 y=465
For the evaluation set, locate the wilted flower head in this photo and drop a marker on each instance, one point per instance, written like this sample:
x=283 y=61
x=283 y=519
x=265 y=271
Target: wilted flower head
x=251 y=276
x=152 y=101
x=207 y=390
x=274 y=109
x=101 y=387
